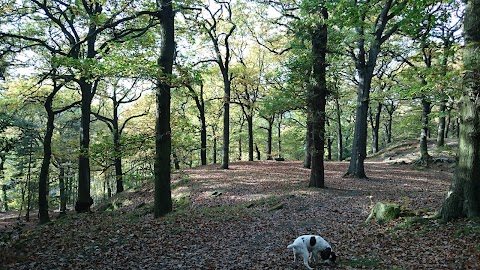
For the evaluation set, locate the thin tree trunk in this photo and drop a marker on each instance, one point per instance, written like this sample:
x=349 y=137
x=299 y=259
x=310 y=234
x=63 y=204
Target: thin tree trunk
x=375 y=124
x=424 y=156
x=442 y=124
x=250 y=137
x=279 y=136
x=47 y=155
x=5 y=198
x=339 y=128
x=269 y=140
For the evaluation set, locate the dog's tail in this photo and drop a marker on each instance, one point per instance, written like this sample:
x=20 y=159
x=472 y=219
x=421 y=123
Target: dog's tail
x=292 y=245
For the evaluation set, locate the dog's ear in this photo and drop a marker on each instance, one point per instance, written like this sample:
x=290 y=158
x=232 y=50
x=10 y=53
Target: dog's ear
x=325 y=254
x=313 y=241
x=333 y=257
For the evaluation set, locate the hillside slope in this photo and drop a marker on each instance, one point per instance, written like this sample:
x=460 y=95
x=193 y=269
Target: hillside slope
x=244 y=217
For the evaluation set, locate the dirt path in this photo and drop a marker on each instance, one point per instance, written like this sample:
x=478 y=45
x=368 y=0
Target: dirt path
x=244 y=217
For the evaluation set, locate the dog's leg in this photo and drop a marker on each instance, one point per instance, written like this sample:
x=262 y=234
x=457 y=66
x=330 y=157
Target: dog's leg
x=305 y=262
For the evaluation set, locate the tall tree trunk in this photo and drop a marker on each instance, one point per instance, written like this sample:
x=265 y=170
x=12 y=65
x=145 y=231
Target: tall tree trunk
x=317 y=102
x=47 y=155
x=258 y=152
x=463 y=199
x=359 y=146
x=84 y=200
x=88 y=88
x=226 y=123
x=365 y=62
x=163 y=195
x=203 y=137
x=117 y=148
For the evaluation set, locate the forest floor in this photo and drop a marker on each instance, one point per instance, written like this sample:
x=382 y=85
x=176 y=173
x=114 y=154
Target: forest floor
x=244 y=218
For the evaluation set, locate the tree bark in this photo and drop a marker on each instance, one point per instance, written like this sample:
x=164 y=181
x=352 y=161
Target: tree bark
x=424 y=156
x=62 y=187
x=84 y=200
x=250 y=137
x=463 y=199
x=307 y=162
x=375 y=124
x=441 y=124
x=317 y=101
x=163 y=195
x=47 y=155
x=339 y=128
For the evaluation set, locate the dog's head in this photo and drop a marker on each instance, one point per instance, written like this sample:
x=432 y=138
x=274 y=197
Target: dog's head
x=328 y=254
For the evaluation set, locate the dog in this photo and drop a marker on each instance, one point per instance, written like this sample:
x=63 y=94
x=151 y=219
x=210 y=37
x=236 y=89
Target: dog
x=308 y=246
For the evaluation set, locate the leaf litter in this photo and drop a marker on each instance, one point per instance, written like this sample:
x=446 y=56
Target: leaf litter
x=244 y=217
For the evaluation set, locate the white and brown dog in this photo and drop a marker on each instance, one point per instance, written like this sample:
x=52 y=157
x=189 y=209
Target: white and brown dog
x=308 y=246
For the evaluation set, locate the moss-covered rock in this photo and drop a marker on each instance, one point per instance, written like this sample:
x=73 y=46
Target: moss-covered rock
x=384 y=212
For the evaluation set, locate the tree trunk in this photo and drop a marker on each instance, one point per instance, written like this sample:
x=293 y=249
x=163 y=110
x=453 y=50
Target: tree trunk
x=62 y=186
x=269 y=139
x=2 y=180
x=226 y=123
x=214 y=146
x=441 y=124
x=5 y=198
x=117 y=149
x=163 y=195
x=317 y=102
x=339 y=128
x=47 y=155
x=307 y=162
x=203 y=136
x=250 y=137
x=84 y=200
x=258 y=152
x=365 y=70
x=463 y=199
x=424 y=156
x=359 y=146
x=279 y=136
x=375 y=124
x=29 y=183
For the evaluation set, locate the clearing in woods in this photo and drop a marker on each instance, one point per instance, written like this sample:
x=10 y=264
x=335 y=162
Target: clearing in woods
x=244 y=218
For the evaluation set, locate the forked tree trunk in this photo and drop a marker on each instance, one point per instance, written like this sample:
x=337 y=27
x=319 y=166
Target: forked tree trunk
x=463 y=199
